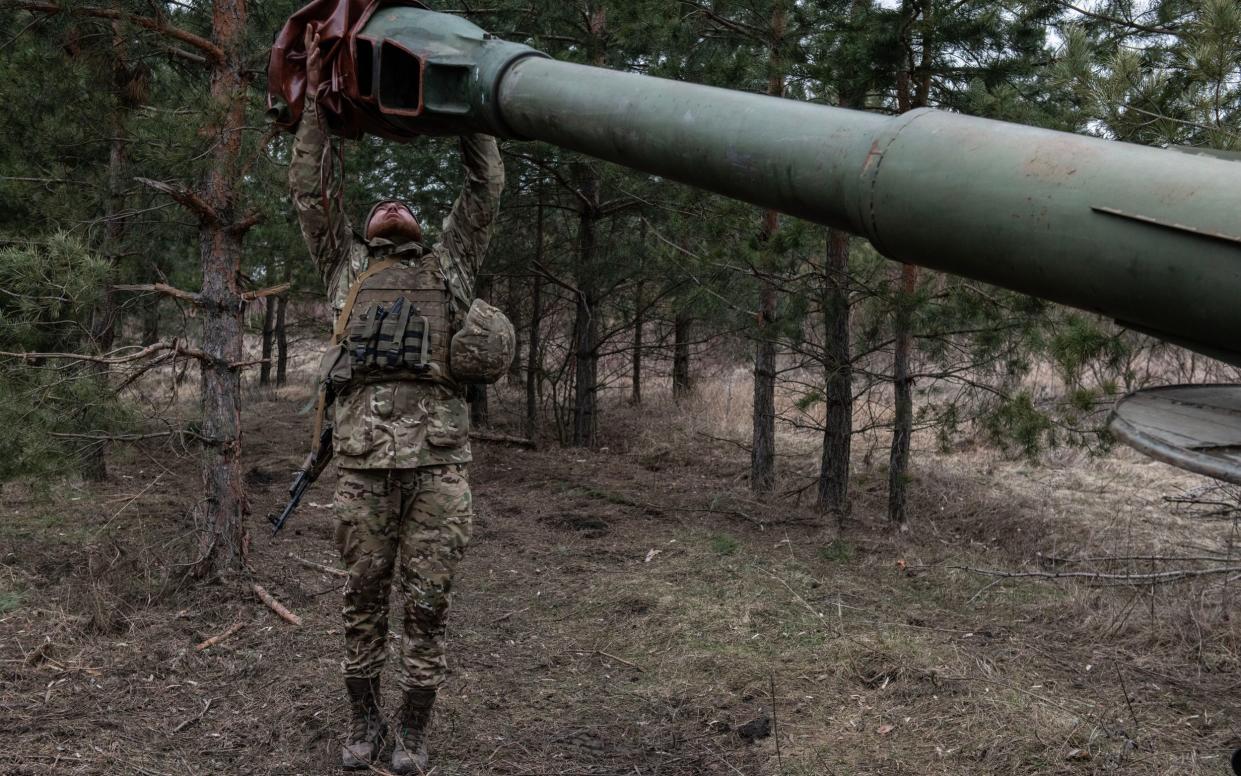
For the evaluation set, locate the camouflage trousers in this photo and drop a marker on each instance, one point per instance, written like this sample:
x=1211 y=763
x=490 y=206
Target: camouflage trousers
x=425 y=516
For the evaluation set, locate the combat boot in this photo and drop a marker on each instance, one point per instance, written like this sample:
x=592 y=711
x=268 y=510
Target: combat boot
x=410 y=754
x=366 y=732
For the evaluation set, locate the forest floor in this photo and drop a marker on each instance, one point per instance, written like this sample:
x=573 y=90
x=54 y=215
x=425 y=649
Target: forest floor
x=632 y=610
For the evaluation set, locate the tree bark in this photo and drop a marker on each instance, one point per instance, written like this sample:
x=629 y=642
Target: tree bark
x=902 y=388
x=763 y=448
x=682 y=384
x=269 y=333
x=534 y=366
x=585 y=323
x=902 y=385
x=223 y=539
x=833 y=485
x=585 y=332
x=837 y=380
x=514 y=312
x=635 y=393
x=282 y=332
x=103 y=317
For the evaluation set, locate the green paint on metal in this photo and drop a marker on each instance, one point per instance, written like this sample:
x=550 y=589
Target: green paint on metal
x=1124 y=230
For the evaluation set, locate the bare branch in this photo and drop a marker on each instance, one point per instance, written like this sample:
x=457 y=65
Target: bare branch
x=250 y=296
x=160 y=288
x=110 y=358
x=213 y=52
x=186 y=198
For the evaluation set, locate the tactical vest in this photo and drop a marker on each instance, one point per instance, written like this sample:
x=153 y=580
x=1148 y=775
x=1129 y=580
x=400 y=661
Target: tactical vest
x=397 y=324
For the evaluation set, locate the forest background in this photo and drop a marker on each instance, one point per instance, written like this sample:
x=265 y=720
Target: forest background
x=154 y=286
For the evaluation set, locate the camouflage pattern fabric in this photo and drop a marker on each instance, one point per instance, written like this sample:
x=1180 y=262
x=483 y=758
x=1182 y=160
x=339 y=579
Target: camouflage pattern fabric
x=483 y=349
x=413 y=523
x=402 y=424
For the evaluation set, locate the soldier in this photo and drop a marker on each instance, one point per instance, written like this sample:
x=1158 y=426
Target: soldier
x=401 y=420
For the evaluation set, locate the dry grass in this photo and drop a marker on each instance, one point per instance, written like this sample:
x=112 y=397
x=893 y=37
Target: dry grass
x=627 y=610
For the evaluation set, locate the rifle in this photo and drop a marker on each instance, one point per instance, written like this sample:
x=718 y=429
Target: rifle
x=309 y=471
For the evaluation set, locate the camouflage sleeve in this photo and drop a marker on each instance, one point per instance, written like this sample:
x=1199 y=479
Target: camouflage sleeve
x=467 y=230
x=325 y=229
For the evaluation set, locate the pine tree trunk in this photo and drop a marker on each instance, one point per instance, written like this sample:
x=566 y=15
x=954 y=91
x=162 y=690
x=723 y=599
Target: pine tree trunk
x=837 y=380
x=635 y=394
x=282 y=333
x=534 y=368
x=585 y=326
x=833 y=486
x=150 y=320
x=763 y=446
x=223 y=538
x=103 y=317
x=479 y=409
x=682 y=385
x=902 y=387
x=514 y=312
x=269 y=332
x=763 y=450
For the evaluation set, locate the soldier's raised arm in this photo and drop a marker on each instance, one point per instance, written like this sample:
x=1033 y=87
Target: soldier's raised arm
x=313 y=186
x=467 y=230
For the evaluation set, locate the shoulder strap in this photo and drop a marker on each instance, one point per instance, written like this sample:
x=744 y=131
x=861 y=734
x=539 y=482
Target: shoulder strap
x=338 y=331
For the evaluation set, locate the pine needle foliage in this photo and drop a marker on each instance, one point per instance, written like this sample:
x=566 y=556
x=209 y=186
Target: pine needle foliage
x=47 y=291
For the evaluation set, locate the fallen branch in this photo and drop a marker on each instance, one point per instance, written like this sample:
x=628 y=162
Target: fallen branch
x=491 y=436
x=192 y=720
x=1156 y=577
x=310 y=564
x=610 y=656
x=216 y=639
x=1131 y=558
x=276 y=606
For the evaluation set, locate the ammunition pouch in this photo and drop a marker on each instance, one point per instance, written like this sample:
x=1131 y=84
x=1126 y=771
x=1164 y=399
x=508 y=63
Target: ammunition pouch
x=335 y=370
x=388 y=338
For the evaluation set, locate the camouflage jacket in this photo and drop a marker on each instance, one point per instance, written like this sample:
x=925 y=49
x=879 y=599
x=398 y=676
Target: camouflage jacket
x=400 y=424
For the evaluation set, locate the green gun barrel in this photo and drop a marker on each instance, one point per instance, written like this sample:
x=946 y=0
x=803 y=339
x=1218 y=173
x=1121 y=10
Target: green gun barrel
x=1150 y=237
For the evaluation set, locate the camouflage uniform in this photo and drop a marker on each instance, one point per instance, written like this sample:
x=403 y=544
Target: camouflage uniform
x=402 y=445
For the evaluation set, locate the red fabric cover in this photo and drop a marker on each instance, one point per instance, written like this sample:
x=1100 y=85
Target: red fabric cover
x=336 y=21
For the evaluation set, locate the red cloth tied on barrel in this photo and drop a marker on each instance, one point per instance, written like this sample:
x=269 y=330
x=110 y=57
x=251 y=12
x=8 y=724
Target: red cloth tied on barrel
x=336 y=21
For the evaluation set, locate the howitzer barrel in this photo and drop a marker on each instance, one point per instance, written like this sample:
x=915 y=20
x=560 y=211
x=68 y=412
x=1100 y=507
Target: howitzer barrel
x=1148 y=236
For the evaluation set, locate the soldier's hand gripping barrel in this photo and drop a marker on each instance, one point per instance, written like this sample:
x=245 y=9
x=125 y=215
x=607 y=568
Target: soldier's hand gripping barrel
x=1147 y=236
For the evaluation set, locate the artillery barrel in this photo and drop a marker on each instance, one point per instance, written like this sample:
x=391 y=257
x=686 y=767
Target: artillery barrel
x=1151 y=237
x=1148 y=236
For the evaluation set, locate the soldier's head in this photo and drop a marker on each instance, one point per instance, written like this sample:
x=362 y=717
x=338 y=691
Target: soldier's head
x=393 y=220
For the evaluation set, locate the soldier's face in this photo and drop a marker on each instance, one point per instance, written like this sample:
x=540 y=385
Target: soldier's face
x=393 y=221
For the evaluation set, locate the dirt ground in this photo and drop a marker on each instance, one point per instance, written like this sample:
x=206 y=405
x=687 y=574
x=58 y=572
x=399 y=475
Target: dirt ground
x=632 y=610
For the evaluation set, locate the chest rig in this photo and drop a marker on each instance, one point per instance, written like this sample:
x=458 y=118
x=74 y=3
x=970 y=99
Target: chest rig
x=397 y=323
